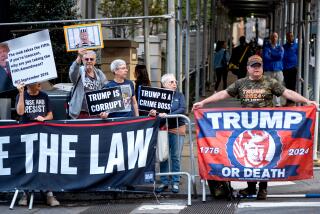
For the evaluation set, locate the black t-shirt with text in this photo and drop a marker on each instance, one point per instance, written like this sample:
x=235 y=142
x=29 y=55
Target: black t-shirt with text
x=38 y=105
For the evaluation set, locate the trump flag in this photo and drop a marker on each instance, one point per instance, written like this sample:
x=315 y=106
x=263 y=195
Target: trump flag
x=248 y=144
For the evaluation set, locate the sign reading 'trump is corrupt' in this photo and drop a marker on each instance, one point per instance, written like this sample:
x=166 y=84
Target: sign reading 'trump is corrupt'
x=104 y=100
x=255 y=144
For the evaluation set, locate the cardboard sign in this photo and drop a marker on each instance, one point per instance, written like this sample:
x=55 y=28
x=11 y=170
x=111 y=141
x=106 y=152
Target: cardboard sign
x=154 y=98
x=87 y=36
x=104 y=100
x=31 y=58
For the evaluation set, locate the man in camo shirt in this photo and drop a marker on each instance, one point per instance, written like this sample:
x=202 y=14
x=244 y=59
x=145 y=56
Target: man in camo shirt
x=255 y=91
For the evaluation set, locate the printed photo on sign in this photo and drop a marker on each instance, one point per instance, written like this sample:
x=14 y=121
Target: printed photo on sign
x=105 y=100
x=30 y=59
x=87 y=36
x=5 y=75
x=154 y=98
x=263 y=144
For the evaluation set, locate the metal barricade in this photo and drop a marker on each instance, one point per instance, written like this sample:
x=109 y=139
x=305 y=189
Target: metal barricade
x=191 y=174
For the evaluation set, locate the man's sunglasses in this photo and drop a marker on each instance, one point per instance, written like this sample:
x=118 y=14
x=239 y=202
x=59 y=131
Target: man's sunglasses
x=89 y=59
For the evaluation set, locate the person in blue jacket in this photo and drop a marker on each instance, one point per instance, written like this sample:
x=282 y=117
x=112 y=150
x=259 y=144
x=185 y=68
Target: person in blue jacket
x=176 y=134
x=290 y=63
x=272 y=61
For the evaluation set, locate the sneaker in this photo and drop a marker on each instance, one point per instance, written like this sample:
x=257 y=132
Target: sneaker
x=161 y=188
x=23 y=200
x=52 y=201
x=262 y=194
x=245 y=192
x=175 y=188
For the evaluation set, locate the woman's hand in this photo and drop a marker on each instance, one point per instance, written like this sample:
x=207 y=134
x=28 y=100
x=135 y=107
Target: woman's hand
x=104 y=115
x=152 y=113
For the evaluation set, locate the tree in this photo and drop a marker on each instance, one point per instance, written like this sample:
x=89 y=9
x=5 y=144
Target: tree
x=35 y=10
x=126 y=8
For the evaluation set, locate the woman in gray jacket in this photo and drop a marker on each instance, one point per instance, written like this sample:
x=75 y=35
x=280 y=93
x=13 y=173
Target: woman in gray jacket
x=85 y=78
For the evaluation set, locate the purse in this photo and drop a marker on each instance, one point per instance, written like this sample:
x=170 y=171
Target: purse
x=162 y=152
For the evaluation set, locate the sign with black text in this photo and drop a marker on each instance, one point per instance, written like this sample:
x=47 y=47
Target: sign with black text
x=154 y=98
x=77 y=155
x=105 y=100
x=31 y=58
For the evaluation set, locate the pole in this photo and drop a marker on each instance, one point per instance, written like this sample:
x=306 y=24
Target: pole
x=306 y=52
x=317 y=83
x=171 y=57
x=179 y=45
x=300 y=30
x=291 y=17
x=212 y=40
x=204 y=49
x=146 y=28
x=197 y=79
x=187 y=56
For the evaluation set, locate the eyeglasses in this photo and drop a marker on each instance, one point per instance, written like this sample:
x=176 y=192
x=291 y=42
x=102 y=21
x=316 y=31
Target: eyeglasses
x=173 y=81
x=89 y=59
x=256 y=65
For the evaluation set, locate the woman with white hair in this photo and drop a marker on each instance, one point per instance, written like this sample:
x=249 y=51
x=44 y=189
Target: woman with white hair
x=120 y=71
x=177 y=131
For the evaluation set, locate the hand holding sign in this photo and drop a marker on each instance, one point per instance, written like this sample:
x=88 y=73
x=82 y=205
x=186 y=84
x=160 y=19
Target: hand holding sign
x=158 y=99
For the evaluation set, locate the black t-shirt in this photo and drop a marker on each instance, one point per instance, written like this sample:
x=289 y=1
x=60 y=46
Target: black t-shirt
x=38 y=105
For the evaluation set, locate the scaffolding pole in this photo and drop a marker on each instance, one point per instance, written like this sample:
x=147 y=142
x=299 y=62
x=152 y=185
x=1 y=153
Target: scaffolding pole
x=306 y=56
x=317 y=83
x=146 y=38
x=187 y=56
x=171 y=57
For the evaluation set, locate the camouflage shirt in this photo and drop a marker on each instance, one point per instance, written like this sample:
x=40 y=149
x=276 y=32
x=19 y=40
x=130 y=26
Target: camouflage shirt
x=256 y=93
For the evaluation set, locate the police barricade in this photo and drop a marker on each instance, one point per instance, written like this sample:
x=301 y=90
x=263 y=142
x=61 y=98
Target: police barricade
x=191 y=185
x=263 y=144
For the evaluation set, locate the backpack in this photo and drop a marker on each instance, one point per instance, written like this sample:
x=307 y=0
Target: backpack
x=221 y=189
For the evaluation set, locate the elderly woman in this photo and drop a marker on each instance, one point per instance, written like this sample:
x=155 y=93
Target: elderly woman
x=177 y=130
x=120 y=71
x=84 y=78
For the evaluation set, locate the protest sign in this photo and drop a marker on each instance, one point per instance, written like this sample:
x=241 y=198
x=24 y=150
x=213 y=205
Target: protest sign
x=87 y=36
x=31 y=58
x=264 y=144
x=78 y=155
x=105 y=100
x=154 y=98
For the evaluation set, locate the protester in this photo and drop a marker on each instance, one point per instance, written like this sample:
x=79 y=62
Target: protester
x=290 y=63
x=120 y=71
x=142 y=78
x=272 y=58
x=84 y=39
x=177 y=132
x=34 y=105
x=5 y=83
x=239 y=57
x=220 y=64
x=84 y=78
x=255 y=91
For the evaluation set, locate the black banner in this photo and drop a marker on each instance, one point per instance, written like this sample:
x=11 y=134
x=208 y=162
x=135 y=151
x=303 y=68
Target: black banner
x=80 y=155
x=105 y=100
x=154 y=98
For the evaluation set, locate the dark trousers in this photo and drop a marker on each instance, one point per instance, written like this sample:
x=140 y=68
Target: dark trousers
x=290 y=78
x=262 y=185
x=221 y=73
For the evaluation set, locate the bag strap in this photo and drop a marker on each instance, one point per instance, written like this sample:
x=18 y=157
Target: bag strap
x=244 y=53
x=74 y=87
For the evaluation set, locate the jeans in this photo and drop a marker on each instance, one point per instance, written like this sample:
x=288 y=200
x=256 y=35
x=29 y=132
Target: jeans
x=175 y=149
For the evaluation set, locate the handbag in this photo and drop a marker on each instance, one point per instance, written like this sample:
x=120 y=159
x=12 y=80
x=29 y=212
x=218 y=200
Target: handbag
x=233 y=67
x=162 y=152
